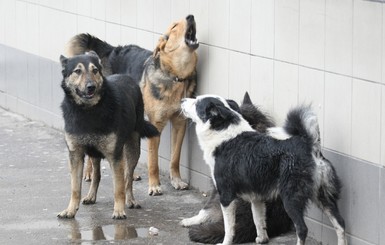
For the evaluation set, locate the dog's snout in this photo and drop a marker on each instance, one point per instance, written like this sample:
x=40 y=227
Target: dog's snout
x=190 y=17
x=90 y=87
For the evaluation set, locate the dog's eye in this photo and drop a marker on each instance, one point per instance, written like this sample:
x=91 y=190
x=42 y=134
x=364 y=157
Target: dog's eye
x=78 y=71
x=95 y=70
x=174 y=26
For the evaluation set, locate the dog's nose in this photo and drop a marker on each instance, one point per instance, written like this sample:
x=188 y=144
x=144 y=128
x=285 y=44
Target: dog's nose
x=90 y=88
x=190 y=17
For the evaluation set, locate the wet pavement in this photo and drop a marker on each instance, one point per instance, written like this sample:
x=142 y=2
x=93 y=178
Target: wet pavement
x=35 y=186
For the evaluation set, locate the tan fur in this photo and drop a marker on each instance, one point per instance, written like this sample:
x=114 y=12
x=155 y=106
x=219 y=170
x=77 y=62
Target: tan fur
x=178 y=59
x=78 y=80
x=122 y=171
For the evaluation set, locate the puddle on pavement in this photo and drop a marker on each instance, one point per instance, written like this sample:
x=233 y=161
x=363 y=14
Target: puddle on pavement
x=110 y=233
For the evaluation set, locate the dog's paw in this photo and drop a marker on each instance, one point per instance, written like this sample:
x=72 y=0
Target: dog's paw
x=87 y=179
x=89 y=200
x=137 y=177
x=119 y=215
x=66 y=214
x=178 y=184
x=261 y=240
x=155 y=190
x=187 y=222
x=190 y=221
x=87 y=175
x=133 y=204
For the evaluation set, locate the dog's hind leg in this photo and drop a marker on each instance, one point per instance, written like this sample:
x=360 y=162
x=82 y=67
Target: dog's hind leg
x=132 y=151
x=258 y=209
x=76 y=160
x=338 y=223
x=88 y=170
x=328 y=194
x=295 y=210
x=177 y=135
x=95 y=180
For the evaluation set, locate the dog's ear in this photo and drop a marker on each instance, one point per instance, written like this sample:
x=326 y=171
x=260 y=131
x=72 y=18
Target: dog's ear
x=234 y=105
x=246 y=99
x=63 y=62
x=161 y=44
x=214 y=110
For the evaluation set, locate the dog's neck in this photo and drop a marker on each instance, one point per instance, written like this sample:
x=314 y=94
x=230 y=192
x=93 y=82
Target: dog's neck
x=180 y=68
x=210 y=139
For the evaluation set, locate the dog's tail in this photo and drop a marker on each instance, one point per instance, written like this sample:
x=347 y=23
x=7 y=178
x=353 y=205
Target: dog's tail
x=85 y=42
x=149 y=130
x=303 y=121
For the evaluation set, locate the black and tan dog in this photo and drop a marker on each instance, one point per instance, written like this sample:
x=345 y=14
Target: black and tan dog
x=104 y=117
x=165 y=75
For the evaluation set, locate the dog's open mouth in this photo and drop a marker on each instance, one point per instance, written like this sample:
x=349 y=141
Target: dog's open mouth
x=190 y=36
x=88 y=94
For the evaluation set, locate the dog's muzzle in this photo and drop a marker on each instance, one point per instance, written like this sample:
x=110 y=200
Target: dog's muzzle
x=190 y=36
x=88 y=92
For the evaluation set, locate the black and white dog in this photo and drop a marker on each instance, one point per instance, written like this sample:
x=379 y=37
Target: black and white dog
x=207 y=226
x=257 y=167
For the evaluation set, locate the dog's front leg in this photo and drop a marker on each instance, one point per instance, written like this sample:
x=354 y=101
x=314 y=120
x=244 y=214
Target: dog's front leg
x=177 y=134
x=76 y=161
x=229 y=222
x=118 y=169
x=258 y=209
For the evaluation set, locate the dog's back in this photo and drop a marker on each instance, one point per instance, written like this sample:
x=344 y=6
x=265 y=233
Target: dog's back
x=128 y=59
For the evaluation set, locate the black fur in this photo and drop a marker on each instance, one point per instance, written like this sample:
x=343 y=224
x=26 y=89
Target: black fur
x=103 y=118
x=278 y=222
x=127 y=59
x=258 y=167
x=120 y=110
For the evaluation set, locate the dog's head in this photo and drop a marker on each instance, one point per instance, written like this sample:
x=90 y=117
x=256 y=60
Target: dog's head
x=211 y=110
x=177 y=47
x=82 y=78
x=259 y=120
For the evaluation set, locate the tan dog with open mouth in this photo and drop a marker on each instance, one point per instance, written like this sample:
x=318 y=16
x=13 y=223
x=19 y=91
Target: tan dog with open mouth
x=165 y=75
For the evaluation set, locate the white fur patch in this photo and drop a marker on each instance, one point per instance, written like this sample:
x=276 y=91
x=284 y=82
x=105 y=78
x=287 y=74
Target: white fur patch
x=278 y=133
x=229 y=222
x=200 y=218
x=210 y=139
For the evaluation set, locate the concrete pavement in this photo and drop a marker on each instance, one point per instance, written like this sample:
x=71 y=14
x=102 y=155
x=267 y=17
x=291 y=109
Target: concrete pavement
x=35 y=186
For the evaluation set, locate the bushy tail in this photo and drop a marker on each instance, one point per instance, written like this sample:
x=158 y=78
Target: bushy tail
x=149 y=130
x=84 y=42
x=302 y=121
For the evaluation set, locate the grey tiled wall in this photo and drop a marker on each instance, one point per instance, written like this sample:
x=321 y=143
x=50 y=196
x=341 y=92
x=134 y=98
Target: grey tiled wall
x=30 y=85
x=328 y=52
